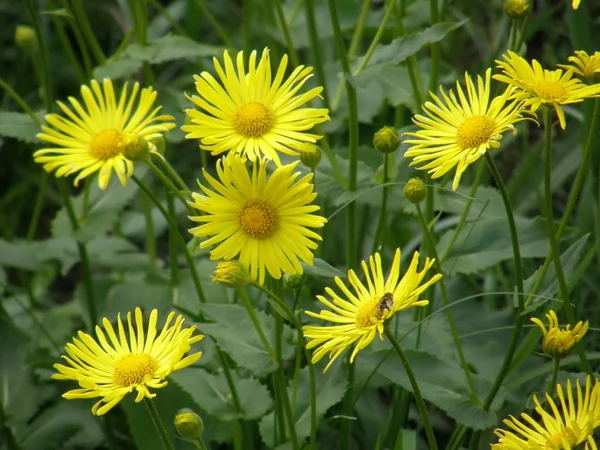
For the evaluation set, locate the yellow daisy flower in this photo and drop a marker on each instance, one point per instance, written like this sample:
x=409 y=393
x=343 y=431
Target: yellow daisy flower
x=363 y=313
x=91 y=139
x=583 y=64
x=457 y=132
x=251 y=113
x=537 y=86
x=558 y=342
x=111 y=370
x=562 y=429
x=262 y=219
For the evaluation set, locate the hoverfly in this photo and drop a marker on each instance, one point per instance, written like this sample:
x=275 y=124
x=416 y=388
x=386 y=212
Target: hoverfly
x=386 y=302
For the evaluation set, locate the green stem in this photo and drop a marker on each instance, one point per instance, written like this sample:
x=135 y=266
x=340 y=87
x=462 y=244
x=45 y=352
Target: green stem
x=174 y=175
x=256 y=322
x=17 y=98
x=150 y=235
x=353 y=136
x=37 y=207
x=173 y=255
x=382 y=211
x=519 y=275
x=286 y=33
x=287 y=408
x=465 y=212
x=442 y=283
x=234 y=394
x=382 y=26
x=416 y=391
x=81 y=19
x=552 y=382
x=83 y=72
x=46 y=80
x=182 y=244
x=522 y=37
x=562 y=282
x=435 y=48
x=83 y=50
x=215 y=23
x=170 y=186
x=158 y=424
x=316 y=48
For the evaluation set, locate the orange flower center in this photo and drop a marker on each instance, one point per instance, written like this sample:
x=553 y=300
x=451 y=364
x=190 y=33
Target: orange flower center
x=133 y=369
x=550 y=91
x=475 y=131
x=106 y=144
x=258 y=219
x=253 y=120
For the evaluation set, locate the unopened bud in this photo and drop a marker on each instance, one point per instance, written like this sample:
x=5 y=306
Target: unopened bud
x=135 y=148
x=231 y=274
x=26 y=39
x=292 y=281
x=189 y=425
x=415 y=191
x=516 y=9
x=311 y=159
x=386 y=140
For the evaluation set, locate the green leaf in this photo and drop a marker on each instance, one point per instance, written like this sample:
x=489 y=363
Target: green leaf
x=330 y=389
x=401 y=48
x=487 y=202
x=321 y=268
x=18 y=254
x=483 y=243
x=237 y=336
x=213 y=394
x=61 y=12
x=549 y=286
x=19 y=126
x=441 y=383
x=119 y=68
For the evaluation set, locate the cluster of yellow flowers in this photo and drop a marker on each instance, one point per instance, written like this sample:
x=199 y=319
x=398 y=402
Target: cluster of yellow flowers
x=258 y=221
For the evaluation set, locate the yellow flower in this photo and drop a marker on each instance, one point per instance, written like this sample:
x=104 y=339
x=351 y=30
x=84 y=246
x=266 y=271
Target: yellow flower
x=537 y=86
x=111 y=370
x=251 y=113
x=562 y=429
x=575 y=4
x=557 y=342
x=457 y=132
x=263 y=219
x=231 y=274
x=584 y=65
x=91 y=139
x=363 y=313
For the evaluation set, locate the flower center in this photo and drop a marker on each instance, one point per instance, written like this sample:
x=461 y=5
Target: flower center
x=550 y=90
x=371 y=313
x=475 y=131
x=253 y=119
x=258 y=219
x=106 y=144
x=133 y=369
x=556 y=440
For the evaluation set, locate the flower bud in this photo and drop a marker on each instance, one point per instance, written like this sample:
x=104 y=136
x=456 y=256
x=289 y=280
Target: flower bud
x=386 y=140
x=26 y=39
x=135 y=148
x=557 y=342
x=292 y=281
x=311 y=159
x=231 y=274
x=189 y=425
x=415 y=191
x=516 y=9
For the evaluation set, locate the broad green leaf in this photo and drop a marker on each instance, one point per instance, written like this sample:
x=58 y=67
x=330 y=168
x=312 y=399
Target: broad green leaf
x=549 y=286
x=441 y=383
x=119 y=68
x=138 y=289
x=212 y=393
x=18 y=254
x=321 y=268
x=485 y=242
x=330 y=388
x=487 y=202
x=237 y=336
x=19 y=126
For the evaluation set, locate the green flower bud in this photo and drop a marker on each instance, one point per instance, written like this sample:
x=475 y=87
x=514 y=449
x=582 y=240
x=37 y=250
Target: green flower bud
x=311 y=159
x=415 y=191
x=135 y=148
x=189 y=425
x=231 y=274
x=26 y=39
x=516 y=9
x=386 y=140
x=292 y=281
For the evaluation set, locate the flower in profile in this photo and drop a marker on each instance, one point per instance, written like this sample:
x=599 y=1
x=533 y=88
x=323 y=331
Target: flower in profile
x=537 y=86
x=91 y=139
x=362 y=313
x=251 y=113
x=584 y=65
x=558 y=342
x=231 y=274
x=111 y=370
x=562 y=429
x=456 y=132
x=264 y=220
